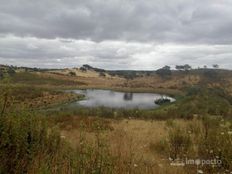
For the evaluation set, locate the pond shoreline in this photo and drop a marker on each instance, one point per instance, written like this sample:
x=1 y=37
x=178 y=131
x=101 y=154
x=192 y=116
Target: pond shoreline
x=115 y=99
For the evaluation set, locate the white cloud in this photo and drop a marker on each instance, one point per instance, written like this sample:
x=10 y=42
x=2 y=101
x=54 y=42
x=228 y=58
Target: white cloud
x=31 y=51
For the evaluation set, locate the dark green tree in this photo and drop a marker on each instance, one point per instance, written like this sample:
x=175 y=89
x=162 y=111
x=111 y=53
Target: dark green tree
x=164 y=72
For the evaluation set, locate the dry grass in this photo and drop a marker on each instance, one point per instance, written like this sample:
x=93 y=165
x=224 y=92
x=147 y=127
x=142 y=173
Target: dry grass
x=174 y=82
x=48 y=100
x=79 y=73
x=89 y=79
x=128 y=139
x=153 y=83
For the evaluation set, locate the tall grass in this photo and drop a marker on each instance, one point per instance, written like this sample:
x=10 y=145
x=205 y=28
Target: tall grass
x=209 y=139
x=23 y=138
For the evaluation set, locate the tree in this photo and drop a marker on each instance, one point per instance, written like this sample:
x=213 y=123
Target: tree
x=11 y=71
x=35 y=69
x=216 y=66
x=185 y=67
x=86 y=66
x=164 y=72
x=179 y=67
x=166 y=67
x=83 y=69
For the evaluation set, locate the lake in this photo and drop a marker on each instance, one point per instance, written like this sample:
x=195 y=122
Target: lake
x=114 y=99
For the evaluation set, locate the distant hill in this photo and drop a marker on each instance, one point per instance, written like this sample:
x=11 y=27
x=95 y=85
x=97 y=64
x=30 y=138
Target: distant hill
x=163 y=79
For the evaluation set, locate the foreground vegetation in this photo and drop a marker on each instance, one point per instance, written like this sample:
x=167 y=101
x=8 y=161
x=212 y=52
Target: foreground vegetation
x=31 y=143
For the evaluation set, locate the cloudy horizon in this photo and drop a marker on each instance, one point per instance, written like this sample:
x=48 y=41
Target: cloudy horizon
x=116 y=34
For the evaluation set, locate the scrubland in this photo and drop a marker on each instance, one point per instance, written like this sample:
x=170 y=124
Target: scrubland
x=39 y=135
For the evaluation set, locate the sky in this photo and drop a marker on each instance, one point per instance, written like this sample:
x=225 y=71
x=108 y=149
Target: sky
x=116 y=34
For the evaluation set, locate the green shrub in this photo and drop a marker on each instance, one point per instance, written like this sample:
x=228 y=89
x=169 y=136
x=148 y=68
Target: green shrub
x=23 y=137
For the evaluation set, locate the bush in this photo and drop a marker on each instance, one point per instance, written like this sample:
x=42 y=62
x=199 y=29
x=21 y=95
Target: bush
x=22 y=138
x=72 y=73
x=102 y=74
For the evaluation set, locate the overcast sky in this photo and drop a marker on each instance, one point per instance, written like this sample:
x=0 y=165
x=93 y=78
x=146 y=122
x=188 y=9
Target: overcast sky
x=116 y=34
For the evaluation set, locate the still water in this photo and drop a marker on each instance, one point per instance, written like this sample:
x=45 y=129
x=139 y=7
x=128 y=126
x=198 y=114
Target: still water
x=114 y=99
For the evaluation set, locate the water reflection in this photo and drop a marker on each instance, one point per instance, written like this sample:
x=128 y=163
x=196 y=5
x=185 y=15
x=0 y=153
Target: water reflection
x=128 y=96
x=113 y=99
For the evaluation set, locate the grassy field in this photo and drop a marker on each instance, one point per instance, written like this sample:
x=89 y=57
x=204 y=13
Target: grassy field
x=128 y=140
x=149 y=146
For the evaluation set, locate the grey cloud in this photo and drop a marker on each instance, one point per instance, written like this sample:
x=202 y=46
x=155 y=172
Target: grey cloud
x=192 y=21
